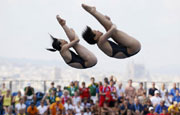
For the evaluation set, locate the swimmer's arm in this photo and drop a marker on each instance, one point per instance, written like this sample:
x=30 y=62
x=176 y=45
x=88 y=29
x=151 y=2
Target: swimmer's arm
x=71 y=44
x=108 y=34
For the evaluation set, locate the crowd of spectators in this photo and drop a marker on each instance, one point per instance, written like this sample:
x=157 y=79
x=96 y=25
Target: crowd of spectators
x=107 y=97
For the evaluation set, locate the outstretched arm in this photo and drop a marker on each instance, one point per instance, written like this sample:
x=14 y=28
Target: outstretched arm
x=108 y=34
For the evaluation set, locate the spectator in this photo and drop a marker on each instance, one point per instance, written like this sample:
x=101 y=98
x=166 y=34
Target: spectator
x=137 y=107
x=120 y=90
x=159 y=107
x=143 y=99
x=95 y=108
x=87 y=111
x=173 y=109
x=130 y=91
x=29 y=93
x=68 y=105
x=78 y=108
x=92 y=88
x=51 y=98
x=32 y=109
x=173 y=90
x=3 y=89
x=59 y=92
x=113 y=94
x=103 y=90
x=146 y=106
x=65 y=96
x=152 y=89
x=106 y=80
x=16 y=98
x=151 y=111
x=105 y=109
x=114 y=79
x=167 y=98
x=86 y=103
x=1 y=103
x=164 y=112
x=20 y=108
x=72 y=89
x=76 y=98
x=57 y=107
x=7 y=102
x=52 y=88
x=76 y=85
x=163 y=90
x=97 y=89
x=156 y=98
x=115 y=110
x=125 y=107
x=43 y=109
x=141 y=90
x=176 y=97
x=84 y=91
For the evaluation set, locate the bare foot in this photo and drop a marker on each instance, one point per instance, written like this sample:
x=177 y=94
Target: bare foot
x=61 y=21
x=89 y=9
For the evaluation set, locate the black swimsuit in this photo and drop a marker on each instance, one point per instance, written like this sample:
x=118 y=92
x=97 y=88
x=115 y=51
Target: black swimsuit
x=76 y=59
x=117 y=48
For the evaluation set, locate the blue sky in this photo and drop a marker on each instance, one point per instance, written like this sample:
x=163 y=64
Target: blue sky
x=25 y=24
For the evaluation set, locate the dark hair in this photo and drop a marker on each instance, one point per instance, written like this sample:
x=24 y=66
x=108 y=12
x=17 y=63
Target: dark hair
x=88 y=35
x=55 y=44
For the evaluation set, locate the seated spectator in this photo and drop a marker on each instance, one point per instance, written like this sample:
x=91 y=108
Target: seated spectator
x=57 y=108
x=105 y=109
x=20 y=107
x=32 y=109
x=87 y=111
x=173 y=109
x=103 y=90
x=68 y=105
x=152 y=89
x=29 y=93
x=176 y=97
x=1 y=103
x=51 y=98
x=125 y=107
x=43 y=109
x=130 y=91
x=3 y=89
x=164 y=112
x=141 y=90
x=69 y=112
x=52 y=88
x=71 y=88
x=160 y=107
x=163 y=90
x=146 y=106
x=115 y=110
x=7 y=102
x=121 y=98
x=95 y=108
x=92 y=87
x=17 y=97
x=86 y=103
x=59 y=92
x=84 y=91
x=65 y=96
x=143 y=99
x=137 y=107
x=76 y=98
x=173 y=90
x=156 y=98
x=167 y=98
x=151 y=111
x=78 y=108
x=120 y=90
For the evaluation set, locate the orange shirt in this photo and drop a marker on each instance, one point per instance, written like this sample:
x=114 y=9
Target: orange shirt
x=33 y=111
x=54 y=107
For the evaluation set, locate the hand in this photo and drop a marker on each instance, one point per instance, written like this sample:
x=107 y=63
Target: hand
x=61 y=21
